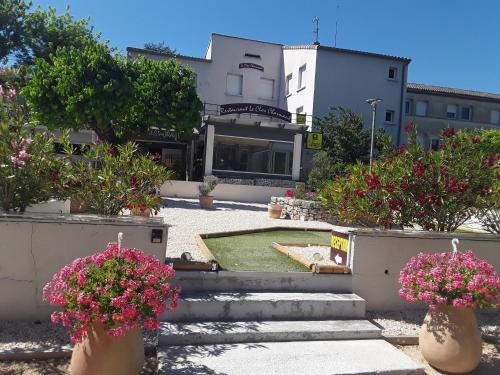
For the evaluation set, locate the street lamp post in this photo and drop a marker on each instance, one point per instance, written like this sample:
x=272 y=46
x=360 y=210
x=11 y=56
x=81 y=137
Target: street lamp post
x=373 y=102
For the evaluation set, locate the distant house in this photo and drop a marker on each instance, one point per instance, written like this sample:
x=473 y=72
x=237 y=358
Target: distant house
x=433 y=108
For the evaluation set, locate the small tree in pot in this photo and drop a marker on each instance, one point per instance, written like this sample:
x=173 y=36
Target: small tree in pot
x=205 y=188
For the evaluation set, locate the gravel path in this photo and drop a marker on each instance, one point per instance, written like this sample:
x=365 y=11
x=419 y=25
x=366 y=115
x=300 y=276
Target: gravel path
x=407 y=323
x=187 y=219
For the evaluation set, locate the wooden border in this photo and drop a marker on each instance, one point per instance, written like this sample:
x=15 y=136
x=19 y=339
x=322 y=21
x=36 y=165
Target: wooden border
x=325 y=268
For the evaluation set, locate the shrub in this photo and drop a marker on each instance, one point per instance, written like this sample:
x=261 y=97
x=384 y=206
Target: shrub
x=456 y=279
x=208 y=185
x=118 y=288
x=323 y=170
x=438 y=190
x=110 y=178
x=29 y=169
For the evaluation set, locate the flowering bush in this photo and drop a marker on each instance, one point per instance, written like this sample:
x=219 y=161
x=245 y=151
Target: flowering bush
x=300 y=194
x=118 y=288
x=28 y=165
x=456 y=279
x=438 y=190
x=118 y=177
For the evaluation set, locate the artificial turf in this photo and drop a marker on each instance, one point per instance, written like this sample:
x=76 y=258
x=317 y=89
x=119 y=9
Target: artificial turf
x=253 y=252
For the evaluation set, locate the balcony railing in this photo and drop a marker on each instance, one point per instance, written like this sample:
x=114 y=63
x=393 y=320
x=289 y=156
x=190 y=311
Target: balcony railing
x=211 y=109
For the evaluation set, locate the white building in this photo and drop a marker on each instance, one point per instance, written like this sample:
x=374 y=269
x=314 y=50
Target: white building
x=260 y=99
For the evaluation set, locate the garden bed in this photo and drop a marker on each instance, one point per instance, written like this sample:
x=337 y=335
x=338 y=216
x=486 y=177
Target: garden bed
x=252 y=250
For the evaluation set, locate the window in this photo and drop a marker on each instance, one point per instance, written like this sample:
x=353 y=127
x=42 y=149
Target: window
x=266 y=88
x=467 y=113
x=393 y=73
x=408 y=105
x=435 y=142
x=288 y=83
x=389 y=117
x=495 y=116
x=302 y=83
x=300 y=109
x=421 y=109
x=451 y=111
x=234 y=84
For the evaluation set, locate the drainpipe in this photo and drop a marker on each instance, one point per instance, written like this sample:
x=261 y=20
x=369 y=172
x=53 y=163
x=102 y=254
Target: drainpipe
x=402 y=106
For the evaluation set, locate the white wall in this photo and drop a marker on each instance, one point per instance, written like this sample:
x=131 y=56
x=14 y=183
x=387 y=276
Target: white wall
x=305 y=97
x=377 y=252
x=346 y=79
x=34 y=247
x=223 y=192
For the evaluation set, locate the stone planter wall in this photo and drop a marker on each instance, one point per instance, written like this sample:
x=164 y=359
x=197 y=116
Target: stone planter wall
x=298 y=209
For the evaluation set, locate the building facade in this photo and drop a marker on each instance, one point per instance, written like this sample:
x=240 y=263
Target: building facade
x=260 y=99
x=433 y=108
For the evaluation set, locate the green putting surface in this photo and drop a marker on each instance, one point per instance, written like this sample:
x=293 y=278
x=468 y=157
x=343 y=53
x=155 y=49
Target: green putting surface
x=253 y=252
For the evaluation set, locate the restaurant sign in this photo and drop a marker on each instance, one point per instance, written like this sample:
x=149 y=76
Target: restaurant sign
x=246 y=65
x=339 y=247
x=257 y=109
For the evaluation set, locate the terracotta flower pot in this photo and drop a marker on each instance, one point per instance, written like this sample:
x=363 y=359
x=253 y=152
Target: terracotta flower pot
x=78 y=206
x=101 y=354
x=206 y=201
x=274 y=211
x=139 y=212
x=450 y=339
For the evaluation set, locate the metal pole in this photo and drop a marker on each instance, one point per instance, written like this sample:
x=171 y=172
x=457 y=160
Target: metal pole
x=374 y=112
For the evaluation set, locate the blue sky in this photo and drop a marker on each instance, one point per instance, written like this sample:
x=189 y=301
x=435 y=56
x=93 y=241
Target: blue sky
x=451 y=43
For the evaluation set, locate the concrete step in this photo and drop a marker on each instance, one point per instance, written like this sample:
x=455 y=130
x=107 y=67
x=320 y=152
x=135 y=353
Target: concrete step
x=269 y=331
x=267 y=306
x=291 y=358
x=249 y=281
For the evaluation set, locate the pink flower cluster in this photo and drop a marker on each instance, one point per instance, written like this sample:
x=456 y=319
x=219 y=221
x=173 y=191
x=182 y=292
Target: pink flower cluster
x=459 y=279
x=8 y=93
x=121 y=290
x=20 y=152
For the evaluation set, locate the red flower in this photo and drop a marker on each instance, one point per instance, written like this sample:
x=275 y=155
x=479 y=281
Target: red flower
x=133 y=182
x=372 y=181
x=419 y=168
x=394 y=204
x=408 y=127
x=157 y=156
x=389 y=187
x=359 y=192
x=289 y=194
x=448 y=132
x=400 y=149
x=476 y=139
x=53 y=177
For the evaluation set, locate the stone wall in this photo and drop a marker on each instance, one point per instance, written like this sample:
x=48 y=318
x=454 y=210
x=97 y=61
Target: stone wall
x=298 y=209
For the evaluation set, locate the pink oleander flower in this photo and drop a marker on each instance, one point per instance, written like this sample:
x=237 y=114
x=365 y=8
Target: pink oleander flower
x=121 y=290
x=459 y=280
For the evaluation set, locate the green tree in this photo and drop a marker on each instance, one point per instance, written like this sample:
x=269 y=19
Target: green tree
x=45 y=31
x=12 y=16
x=345 y=140
x=161 y=47
x=120 y=99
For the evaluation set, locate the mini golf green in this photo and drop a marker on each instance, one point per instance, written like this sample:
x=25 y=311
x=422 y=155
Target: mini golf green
x=253 y=252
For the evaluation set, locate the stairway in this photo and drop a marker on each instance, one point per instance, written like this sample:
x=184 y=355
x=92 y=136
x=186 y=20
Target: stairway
x=262 y=331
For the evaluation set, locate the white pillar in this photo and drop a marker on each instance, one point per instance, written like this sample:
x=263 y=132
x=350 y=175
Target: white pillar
x=297 y=156
x=209 y=150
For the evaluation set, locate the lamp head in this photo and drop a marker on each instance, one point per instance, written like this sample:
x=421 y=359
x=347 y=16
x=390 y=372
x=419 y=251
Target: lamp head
x=373 y=101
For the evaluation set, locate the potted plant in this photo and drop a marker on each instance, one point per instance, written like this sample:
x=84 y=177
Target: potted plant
x=205 y=188
x=106 y=299
x=143 y=204
x=452 y=284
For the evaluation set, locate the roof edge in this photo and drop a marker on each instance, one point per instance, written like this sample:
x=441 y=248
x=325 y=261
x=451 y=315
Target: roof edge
x=156 y=53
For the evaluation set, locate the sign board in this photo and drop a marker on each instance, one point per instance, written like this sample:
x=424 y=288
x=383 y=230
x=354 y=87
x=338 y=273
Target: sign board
x=339 y=248
x=314 y=141
x=251 y=66
x=258 y=109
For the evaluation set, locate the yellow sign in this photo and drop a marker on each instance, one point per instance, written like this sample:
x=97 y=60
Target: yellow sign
x=314 y=141
x=340 y=243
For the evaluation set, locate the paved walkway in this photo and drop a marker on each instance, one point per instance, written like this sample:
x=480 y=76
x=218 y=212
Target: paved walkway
x=187 y=219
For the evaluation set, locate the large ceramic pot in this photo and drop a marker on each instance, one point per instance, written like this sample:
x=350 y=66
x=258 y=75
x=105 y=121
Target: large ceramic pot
x=206 y=201
x=274 y=211
x=450 y=339
x=101 y=354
